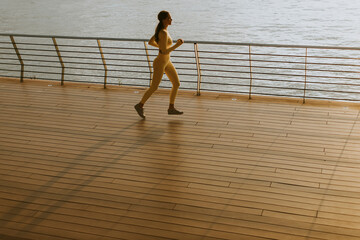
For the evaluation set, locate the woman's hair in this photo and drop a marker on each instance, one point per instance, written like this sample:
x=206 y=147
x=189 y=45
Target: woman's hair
x=161 y=16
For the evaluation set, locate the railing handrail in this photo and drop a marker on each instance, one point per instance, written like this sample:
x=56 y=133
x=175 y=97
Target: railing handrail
x=244 y=68
x=187 y=41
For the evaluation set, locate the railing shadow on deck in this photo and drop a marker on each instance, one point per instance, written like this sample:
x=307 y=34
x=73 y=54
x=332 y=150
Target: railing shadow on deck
x=296 y=71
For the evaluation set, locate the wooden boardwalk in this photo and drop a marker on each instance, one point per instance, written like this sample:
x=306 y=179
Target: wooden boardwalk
x=78 y=163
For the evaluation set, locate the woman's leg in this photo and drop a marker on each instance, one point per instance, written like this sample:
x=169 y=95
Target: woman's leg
x=159 y=68
x=174 y=79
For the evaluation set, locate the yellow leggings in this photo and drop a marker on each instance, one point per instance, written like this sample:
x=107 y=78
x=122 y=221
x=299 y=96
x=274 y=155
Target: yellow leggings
x=163 y=64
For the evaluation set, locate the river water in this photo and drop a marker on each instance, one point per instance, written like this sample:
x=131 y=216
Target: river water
x=306 y=22
x=309 y=22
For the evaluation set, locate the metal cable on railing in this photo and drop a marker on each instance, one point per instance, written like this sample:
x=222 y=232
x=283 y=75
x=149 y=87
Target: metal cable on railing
x=318 y=72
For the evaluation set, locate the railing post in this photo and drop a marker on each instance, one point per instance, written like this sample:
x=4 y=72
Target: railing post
x=103 y=60
x=61 y=61
x=149 y=63
x=306 y=53
x=19 y=57
x=250 y=85
x=197 y=58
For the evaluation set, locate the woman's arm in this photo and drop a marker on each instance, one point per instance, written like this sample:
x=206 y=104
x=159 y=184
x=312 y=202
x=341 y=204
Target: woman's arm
x=152 y=42
x=163 y=39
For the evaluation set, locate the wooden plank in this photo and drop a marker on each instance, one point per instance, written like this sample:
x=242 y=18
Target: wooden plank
x=79 y=156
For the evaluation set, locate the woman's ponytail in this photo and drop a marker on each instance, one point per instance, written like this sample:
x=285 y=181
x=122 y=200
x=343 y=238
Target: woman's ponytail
x=161 y=16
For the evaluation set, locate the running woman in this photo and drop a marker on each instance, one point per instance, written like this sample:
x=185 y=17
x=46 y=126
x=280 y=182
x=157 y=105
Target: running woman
x=162 y=63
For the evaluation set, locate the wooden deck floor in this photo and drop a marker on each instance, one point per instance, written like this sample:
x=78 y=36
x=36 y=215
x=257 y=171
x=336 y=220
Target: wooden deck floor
x=78 y=163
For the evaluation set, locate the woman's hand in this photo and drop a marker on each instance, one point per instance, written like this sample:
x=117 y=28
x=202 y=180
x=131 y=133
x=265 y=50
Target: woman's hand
x=179 y=42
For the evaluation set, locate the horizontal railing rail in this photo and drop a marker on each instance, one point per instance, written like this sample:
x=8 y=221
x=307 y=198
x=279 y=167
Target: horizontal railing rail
x=296 y=71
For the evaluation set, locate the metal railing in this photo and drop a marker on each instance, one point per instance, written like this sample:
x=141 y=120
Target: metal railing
x=317 y=72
